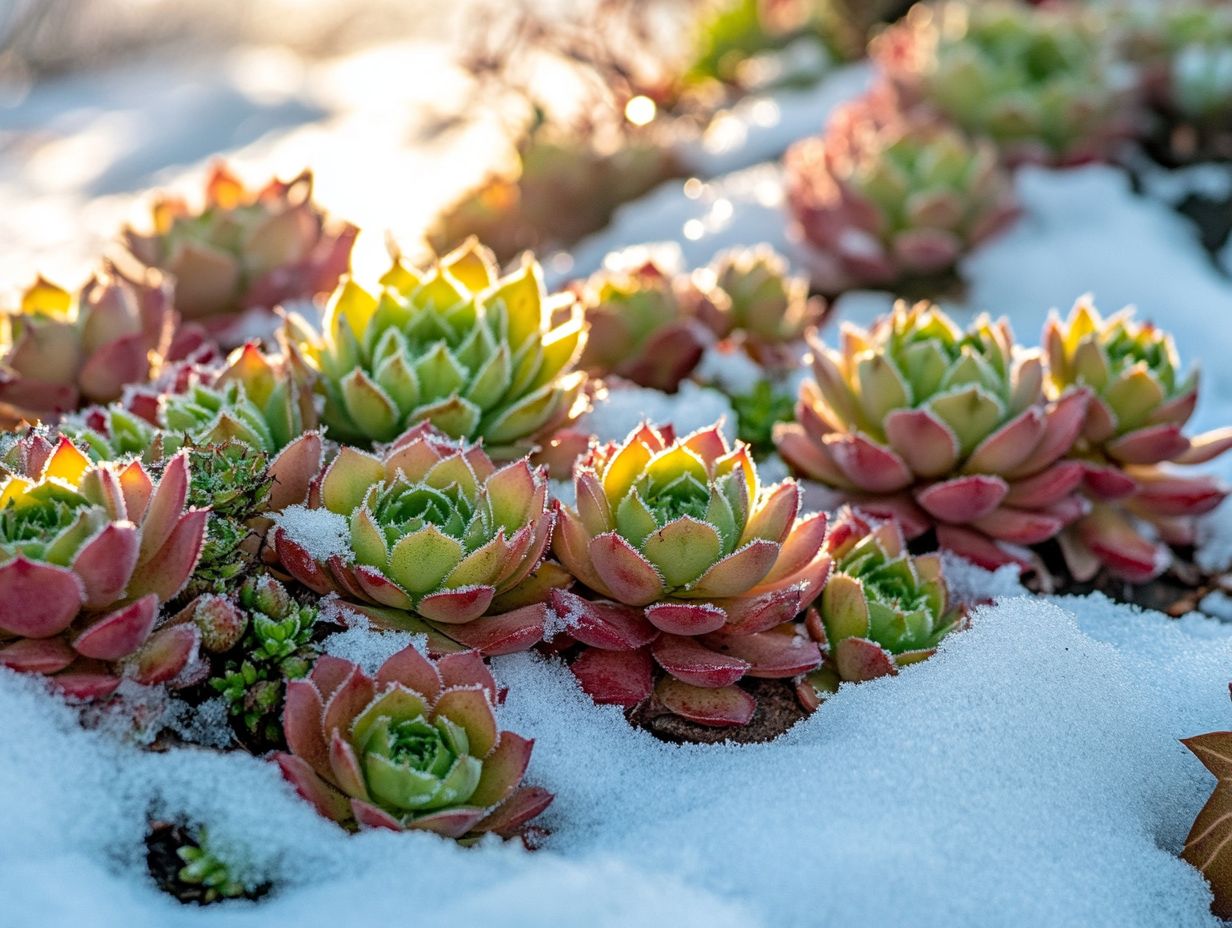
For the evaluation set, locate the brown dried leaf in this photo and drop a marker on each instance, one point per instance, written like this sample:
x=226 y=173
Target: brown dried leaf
x=1209 y=845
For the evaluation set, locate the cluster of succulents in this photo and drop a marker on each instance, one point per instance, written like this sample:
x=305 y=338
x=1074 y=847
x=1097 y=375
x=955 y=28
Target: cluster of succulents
x=1046 y=84
x=1183 y=54
x=652 y=326
x=887 y=195
x=996 y=448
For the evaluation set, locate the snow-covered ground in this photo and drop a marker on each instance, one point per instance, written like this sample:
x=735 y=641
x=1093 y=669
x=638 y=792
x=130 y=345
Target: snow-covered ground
x=1029 y=774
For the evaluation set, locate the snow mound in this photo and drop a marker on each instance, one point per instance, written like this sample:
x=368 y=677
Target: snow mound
x=1031 y=769
x=617 y=412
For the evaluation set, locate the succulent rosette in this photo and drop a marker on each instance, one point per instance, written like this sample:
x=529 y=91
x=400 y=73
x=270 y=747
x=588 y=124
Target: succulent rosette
x=244 y=249
x=882 y=608
x=262 y=401
x=416 y=746
x=433 y=529
x=1043 y=83
x=884 y=196
x=476 y=356
x=641 y=327
x=764 y=300
x=942 y=428
x=59 y=350
x=557 y=188
x=1134 y=428
x=88 y=553
x=691 y=565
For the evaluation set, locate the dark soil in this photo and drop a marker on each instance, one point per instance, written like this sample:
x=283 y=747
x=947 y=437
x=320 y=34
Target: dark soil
x=777 y=711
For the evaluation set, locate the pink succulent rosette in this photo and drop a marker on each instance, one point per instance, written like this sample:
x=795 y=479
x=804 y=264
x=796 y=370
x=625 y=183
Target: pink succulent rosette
x=429 y=531
x=244 y=249
x=1133 y=435
x=942 y=429
x=691 y=566
x=415 y=746
x=885 y=195
x=59 y=351
x=88 y=553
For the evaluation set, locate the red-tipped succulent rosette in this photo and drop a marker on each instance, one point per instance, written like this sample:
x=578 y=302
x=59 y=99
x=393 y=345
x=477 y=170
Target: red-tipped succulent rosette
x=244 y=249
x=691 y=568
x=59 y=351
x=88 y=553
x=1133 y=435
x=414 y=747
x=430 y=530
x=942 y=428
x=886 y=195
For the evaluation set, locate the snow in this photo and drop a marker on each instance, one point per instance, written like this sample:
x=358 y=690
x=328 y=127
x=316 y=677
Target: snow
x=361 y=645
x=987 y=779
x=618 y=411
x=320 y=532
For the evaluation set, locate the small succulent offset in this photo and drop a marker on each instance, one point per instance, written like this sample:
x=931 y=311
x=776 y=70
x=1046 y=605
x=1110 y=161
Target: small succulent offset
x=759 y=301
x=882 y=608
x=414 y=747
x=88 y=553
x=270 y=636
x=452 y=345
x=245 y=248
x=1134 y=429
x=205 y=867
x=693 y=566
x=1045 y=84
x=58 y=351
x=758 y=412
x=431 y=528
x=885 y=196
x=641 y=326
x=942 y=428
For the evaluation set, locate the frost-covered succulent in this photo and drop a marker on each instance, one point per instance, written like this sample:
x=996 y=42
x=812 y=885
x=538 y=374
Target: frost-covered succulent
x=268 y=638
x=758 y=412
x=690 y=564
x=1044 y=83
x=59 y=350
x=917 y=419
x=476 y=356
x=244 y=248
x=641 y=326
x=430 y=527
x=885 y=195
x=1142 y=399
x=88 y=553
x=414 y=747
x=882 y=608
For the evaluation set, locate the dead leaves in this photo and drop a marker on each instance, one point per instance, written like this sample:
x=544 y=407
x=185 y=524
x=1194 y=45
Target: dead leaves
x=1209 y=845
